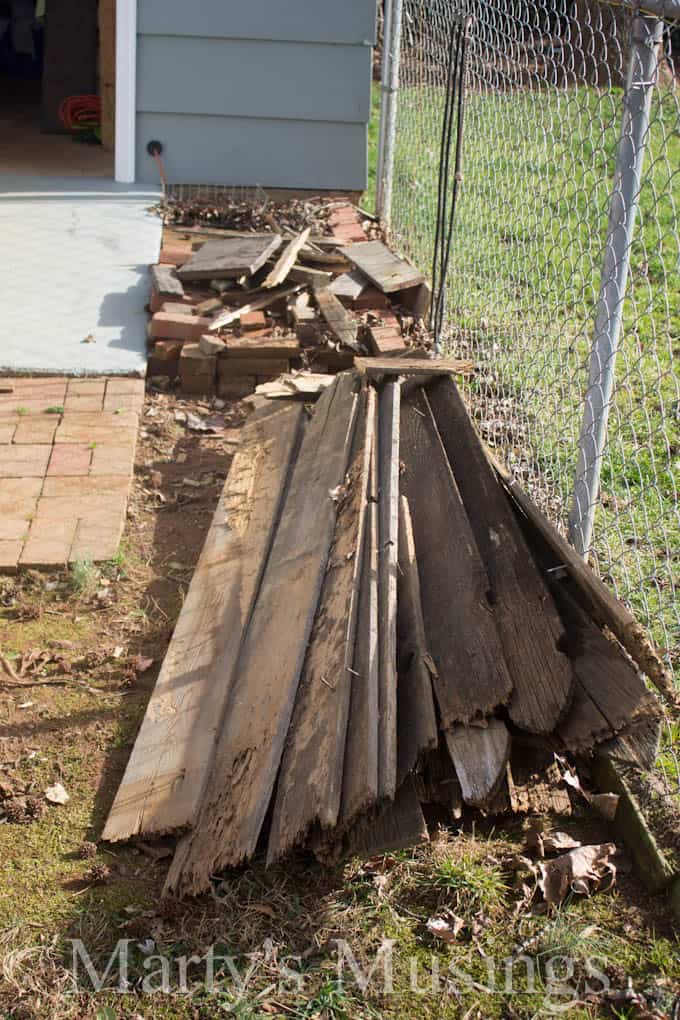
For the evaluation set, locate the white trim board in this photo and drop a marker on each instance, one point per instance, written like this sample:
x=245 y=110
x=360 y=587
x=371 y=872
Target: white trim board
x=126 y=90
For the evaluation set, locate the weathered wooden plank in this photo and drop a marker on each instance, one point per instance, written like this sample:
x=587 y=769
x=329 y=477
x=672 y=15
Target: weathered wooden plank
x=333 y=260
x=338 y=320
x=396 y=826
x=349 y=285
x=528 y=623
x=479 y=755
x=438 y=782
x=360 y=780
x=230 y=257
x=416 y=717
x=600 y=601
x=637 y=744
x=385 y=269
x=309 y=786
x=286 y=260
x=471 y=678
x=168 y=768
x=424 y=367
x=389 y=404
x=253 y=305
x=309 y=276
x=535 y=784
x=164 y=279
x=608 y=681
x=251 y=740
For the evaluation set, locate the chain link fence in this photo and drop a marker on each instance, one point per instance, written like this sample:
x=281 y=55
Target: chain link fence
x=549 y=90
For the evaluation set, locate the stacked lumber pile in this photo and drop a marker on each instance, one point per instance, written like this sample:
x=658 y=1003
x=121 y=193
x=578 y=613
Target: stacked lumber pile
x=375 y=626
x=232 y=310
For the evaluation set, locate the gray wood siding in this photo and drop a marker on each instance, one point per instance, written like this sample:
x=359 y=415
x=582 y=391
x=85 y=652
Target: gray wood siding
x=250 y=151
x=287 y=20
x=259 y=92
x=248 y=78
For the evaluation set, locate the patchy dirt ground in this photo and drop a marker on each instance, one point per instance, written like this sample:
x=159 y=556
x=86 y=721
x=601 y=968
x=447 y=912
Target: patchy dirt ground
x=452 y=930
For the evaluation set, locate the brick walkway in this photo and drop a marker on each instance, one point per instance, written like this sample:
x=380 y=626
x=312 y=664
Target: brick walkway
x=67 y=451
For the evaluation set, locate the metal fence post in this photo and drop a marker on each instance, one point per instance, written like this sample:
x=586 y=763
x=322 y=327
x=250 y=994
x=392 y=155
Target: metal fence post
x=640 y=82
x=388 y=117
x=384 y=101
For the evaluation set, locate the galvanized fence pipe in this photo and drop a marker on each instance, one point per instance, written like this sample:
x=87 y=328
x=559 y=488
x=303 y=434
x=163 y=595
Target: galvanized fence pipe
x=640 y=82
x=387 y=138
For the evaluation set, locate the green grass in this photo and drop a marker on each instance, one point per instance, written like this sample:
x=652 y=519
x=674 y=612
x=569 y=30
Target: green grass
x=524 y=277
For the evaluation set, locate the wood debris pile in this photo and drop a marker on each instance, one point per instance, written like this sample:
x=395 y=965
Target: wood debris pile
x=232 y=310
x=377 y=625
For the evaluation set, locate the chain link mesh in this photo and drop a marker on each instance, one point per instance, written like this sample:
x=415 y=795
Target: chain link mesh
x=543 y=113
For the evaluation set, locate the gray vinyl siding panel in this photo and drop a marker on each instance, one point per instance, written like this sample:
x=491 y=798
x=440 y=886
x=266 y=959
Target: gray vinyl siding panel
x=256 y=92
x=250 y=151
x=244 y=78
x=347 y=21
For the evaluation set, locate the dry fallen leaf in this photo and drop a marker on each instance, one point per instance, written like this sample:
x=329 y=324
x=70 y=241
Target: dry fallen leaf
x=557 y=842
x=56 y=794
x=581 y=870
x=446 y=928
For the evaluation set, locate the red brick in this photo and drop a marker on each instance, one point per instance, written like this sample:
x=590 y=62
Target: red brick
x=178 y=327
x=372 y=299
x=86 y=388
x=10 y=551
x=49 y=543
x=170 y=307
x=253 y=320
x=26 y=461
x=91 y=485
x=230 y=367
x=134 y=386
x=6 y=433
x=386 y=340
x=70 y=459
x=176 y=254
x=36 y=429
x=348 y=233
x=113 y=460
x=18 y=496
x=85 y=402
x=124 y=402
x=96 y=541
x=235 y=388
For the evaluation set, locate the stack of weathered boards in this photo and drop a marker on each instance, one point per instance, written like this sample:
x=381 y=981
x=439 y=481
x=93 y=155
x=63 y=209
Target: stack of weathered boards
x=371 y=626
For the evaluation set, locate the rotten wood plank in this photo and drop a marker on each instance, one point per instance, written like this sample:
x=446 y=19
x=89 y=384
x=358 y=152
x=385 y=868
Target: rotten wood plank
x=423 y=367
x=601 y=603
x=612 y=693
x=253 y=305
x=337 y=318
x=309 y=276
x=396 y=826
x=360 y=780
x=286 y=260
x=167 y=770
x=471 y=677
x=230 y=257
x=385 y=269
x=309 y=786
x=251 y=741
x=528 y=623
x=349 y=285
x=479 y=755
x=416 y=717
x=389 y=406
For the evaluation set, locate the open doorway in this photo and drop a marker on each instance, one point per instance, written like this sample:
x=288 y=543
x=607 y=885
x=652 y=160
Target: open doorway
x=57 y=87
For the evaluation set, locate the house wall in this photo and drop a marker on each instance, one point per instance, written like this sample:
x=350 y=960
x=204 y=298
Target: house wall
x=256 y=92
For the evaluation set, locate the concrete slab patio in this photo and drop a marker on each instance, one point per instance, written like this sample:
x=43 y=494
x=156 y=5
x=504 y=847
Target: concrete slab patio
x=76 y=275
x=66 y=458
